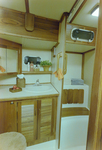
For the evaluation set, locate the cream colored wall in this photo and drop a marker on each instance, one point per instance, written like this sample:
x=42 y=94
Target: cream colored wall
x=74 y=67
x=88 y=71
x=43 y=78
x=58 y=83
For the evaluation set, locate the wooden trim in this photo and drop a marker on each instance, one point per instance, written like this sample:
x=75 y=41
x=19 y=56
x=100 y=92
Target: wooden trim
x=73 y=52
x=52 y=116
x=63 y=51
x=29 y=97
x=27 y=6
x=11 y=73
x=19 y=117
x=82 y=71
x=65 y=14
x=78 y=10
x=35 y=120
x=94 y=138
x=74 y=111
x=39 y=117
x=13 y=23
x=89 y=51
x=37 y=72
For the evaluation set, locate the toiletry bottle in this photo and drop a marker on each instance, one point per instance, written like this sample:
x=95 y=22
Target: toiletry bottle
x=28 y=66
x=31 y=66
x=37 y=68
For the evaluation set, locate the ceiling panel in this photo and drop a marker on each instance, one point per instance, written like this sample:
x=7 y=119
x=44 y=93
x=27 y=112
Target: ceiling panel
x=14 y=4
x=50 y=8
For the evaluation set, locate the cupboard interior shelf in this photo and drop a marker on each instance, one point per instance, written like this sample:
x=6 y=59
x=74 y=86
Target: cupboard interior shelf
x=37 y=72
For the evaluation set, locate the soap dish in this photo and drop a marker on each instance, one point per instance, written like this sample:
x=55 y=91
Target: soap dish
x=15 y=90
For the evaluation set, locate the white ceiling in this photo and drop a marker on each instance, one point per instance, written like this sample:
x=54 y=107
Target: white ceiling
x=46 y=8
x=54 y=9
x=85 y=17
x=50 y=9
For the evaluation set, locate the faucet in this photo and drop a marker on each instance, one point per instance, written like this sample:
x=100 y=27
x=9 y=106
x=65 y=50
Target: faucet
x=37 y=82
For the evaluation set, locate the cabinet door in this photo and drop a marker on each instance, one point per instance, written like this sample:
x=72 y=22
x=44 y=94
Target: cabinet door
x=46 y=119
x=27 y=120
x=8 y=116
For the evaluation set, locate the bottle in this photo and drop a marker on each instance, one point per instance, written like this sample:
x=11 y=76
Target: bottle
x=31 y=66
x=28 y=66
x=36 y=68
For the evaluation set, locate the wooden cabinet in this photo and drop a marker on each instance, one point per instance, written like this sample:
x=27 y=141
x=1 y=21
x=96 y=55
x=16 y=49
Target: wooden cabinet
x=8 y=116
x=10 y=57
x=37 y=119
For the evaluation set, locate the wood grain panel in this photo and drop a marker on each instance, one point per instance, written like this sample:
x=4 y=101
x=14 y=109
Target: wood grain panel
x=46 y=111
x=46 y=119
x=12 y=23
x=8 y=117
x=81 y=96
x=68 y=34
x=74 y=111
x=73 y=96
x=69 y=96
x=28 y=120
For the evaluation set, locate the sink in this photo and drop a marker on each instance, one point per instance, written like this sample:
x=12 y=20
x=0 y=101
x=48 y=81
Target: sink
x=38 y=89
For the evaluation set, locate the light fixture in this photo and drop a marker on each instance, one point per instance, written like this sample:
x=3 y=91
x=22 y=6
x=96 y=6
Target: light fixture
x=74 y=10
x=95 y=11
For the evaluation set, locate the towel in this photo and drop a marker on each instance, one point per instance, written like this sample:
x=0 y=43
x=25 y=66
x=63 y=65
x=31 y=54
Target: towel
x=2 y=69
x=59 y=74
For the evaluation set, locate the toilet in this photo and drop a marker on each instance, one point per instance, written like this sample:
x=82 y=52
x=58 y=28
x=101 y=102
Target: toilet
x=12 y=141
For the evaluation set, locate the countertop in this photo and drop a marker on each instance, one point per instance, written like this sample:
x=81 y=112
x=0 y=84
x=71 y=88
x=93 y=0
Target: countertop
x=6 y=95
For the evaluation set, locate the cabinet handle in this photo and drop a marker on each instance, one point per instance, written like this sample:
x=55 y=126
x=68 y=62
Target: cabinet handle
x=12 y=103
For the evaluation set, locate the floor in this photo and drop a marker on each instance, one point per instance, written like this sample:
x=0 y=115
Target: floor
x=50 y=145
x=77 y=148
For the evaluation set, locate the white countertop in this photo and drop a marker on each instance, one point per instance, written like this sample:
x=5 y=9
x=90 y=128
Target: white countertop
x=5 y=94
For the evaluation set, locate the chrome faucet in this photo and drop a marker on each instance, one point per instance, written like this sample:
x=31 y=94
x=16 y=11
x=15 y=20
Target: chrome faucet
x=37 y=82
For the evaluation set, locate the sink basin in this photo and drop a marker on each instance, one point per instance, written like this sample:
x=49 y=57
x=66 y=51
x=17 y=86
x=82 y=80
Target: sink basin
x=37 y=89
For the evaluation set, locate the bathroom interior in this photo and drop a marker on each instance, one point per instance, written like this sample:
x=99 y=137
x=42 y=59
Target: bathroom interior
x=50 y=108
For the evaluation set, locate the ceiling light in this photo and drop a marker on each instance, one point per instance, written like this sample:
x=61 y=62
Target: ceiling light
x=95 y=12
x=74 y=10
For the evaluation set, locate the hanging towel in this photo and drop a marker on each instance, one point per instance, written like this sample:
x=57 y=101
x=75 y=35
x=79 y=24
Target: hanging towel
x=2 y=69
x=59 y=74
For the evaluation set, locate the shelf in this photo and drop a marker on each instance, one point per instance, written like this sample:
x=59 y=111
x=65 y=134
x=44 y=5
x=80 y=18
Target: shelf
x=9 y=73
x=37 y=72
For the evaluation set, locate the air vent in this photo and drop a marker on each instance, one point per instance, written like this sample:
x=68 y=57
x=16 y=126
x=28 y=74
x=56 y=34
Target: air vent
x=82 y=35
